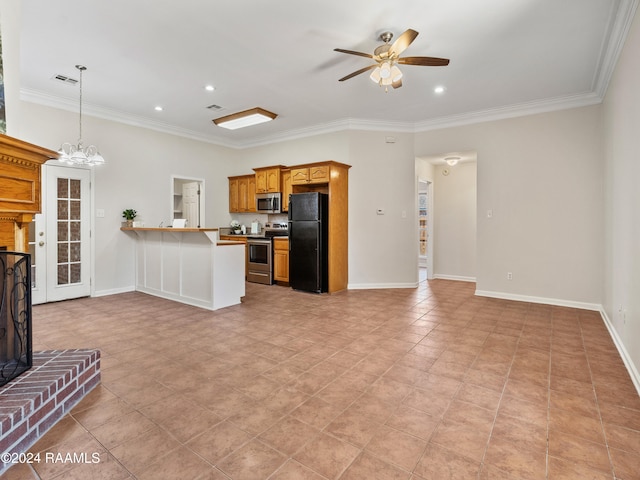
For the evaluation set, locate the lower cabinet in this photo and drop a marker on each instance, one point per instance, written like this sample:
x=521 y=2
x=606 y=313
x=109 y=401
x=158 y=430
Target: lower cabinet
x=281 y=259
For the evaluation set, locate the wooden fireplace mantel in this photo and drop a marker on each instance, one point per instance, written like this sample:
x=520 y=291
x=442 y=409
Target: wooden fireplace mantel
x=20 y=189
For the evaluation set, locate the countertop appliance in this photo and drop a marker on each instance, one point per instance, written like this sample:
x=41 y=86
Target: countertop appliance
x=268 y=202
x=308 y=240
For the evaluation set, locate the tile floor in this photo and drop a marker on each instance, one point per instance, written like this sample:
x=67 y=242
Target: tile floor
x=426 y=383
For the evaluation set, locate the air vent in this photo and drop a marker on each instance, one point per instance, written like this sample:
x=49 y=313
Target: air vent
x=65 y=79
x=215 y=107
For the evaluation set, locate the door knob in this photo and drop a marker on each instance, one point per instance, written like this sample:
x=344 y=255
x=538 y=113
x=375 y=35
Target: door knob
x=41 y=243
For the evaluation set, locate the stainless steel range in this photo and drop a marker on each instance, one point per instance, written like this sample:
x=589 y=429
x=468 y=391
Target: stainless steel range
x=260 y=254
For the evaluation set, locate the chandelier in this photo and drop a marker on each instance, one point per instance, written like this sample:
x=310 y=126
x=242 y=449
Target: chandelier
x=77 y=154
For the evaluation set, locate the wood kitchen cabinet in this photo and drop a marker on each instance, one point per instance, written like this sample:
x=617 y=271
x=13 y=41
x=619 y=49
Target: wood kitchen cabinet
x=281 y=259
x=242 y=194
x=310 y=174
x=331 y=178
x=233 y=194
x=268 y=179
x=285 y=177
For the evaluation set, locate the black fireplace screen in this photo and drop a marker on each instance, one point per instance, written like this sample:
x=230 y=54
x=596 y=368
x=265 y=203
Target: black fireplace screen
x=15 y=315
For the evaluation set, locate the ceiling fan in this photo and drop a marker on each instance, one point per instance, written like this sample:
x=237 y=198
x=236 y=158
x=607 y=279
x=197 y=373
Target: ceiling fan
x=387 y=58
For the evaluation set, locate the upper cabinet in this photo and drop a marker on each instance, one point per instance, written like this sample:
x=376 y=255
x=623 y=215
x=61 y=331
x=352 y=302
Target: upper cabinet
x=242 y=194
x=310 y=174
x=268 y=179
x=285 y=177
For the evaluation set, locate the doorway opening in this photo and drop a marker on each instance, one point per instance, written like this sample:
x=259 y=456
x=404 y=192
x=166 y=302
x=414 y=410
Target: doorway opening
x=447 y=186
x=187 y=200
x=424 y=225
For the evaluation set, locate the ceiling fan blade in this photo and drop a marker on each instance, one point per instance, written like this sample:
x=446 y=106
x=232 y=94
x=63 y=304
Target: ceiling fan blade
x=424 y=61
x=351 y=52
x=403 y=42
x=358 y=72
x=397 y=84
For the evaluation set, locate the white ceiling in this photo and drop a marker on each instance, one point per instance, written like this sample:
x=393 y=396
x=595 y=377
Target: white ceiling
x=508 y=57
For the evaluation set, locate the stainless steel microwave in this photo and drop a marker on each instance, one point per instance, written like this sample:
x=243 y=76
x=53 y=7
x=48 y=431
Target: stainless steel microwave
x=268 y=202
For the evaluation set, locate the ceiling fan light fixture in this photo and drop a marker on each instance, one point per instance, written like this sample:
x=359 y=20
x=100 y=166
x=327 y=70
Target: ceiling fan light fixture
x=375 y=75
x=385 y=70
x=396 y=74
x=246 y=118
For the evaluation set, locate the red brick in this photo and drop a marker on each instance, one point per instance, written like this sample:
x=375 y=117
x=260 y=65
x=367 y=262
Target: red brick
x=42 y=412
x=13 y=436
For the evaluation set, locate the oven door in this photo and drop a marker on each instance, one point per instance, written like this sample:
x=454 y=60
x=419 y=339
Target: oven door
x=260 y=252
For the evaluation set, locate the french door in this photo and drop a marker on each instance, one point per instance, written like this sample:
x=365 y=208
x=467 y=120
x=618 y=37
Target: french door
x=60 y=242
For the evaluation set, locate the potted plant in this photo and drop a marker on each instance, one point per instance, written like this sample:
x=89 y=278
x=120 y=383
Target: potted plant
x=235 y=226
x=129 y=214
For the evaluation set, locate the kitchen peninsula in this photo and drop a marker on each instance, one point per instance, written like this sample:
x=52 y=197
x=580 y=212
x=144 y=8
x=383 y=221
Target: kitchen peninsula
x=189 y=265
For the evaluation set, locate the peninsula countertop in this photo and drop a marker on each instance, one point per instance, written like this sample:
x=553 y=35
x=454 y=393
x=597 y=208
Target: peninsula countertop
x=189 y=265
x=168 y=229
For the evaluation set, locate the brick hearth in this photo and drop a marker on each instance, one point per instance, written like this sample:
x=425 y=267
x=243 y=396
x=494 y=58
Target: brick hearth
x=32 y=403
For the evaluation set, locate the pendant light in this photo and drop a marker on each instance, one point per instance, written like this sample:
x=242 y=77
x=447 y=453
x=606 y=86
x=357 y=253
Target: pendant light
x=77 y=154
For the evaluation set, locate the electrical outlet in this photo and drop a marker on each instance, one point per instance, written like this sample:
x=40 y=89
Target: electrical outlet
x=509 y=276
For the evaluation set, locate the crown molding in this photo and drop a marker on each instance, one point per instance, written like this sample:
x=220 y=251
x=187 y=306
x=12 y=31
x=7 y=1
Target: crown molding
x=345 y=124
x=620 y=22
x=510 y=111
x=63 y=103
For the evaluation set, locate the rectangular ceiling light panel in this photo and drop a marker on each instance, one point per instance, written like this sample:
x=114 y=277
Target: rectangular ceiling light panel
x=246 y=118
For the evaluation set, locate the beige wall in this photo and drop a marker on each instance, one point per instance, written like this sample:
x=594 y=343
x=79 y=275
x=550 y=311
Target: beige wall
x=454 y=217
x=137 y=174
x=621 y=285
x=541 y=175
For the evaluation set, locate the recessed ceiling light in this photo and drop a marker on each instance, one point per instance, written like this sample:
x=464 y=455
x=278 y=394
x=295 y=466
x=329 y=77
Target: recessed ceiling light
x=439 y=89
x=209 y=88
x=247 y=118
x=158 y=108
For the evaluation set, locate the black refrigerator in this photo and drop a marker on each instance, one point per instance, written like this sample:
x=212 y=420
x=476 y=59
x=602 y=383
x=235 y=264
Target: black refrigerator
x=308 y=239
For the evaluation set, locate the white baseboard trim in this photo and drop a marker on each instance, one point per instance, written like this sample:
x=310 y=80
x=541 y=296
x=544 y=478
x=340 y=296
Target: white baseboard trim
x=372 y=286
x=457 y=278
x=631 y=368
x=543 y=300
x=113 y=291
